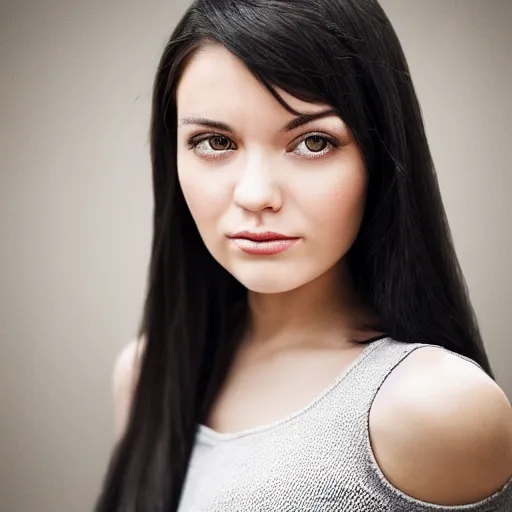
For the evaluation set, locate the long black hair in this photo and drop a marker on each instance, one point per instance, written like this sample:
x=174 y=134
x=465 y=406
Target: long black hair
x=344 y=53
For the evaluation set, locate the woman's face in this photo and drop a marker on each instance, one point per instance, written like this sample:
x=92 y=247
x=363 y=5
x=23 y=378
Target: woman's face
x=254 y=171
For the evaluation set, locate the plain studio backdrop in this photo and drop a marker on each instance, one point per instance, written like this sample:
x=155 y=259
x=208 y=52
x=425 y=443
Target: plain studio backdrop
x=76 y=203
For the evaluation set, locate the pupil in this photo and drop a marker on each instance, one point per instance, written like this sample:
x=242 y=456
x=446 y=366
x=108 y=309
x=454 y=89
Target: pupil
x=315 y=143
x=220 y=143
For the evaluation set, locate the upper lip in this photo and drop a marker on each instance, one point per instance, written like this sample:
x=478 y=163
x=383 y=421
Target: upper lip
x=262 y=236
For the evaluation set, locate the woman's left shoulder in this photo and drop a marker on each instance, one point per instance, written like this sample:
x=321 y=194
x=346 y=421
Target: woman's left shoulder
x=441 y=429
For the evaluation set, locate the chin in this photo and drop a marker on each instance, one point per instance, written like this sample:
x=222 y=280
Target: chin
x=272 y=282
x=267 y=287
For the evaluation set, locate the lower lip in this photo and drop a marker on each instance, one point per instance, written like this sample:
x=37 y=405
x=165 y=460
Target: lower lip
x=266 y=248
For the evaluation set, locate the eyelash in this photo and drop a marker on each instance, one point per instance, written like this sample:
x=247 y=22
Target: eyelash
x=193 y=143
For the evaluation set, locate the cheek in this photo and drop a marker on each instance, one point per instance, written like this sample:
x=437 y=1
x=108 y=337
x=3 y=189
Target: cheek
x=206 y=194
x=337 y=204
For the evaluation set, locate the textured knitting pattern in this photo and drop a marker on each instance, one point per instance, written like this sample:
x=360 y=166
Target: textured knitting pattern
x=316 y=460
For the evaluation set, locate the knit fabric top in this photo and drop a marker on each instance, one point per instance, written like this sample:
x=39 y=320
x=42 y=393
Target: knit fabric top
x=318 y=459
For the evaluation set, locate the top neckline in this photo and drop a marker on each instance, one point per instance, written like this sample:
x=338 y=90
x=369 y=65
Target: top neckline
x=211 y=437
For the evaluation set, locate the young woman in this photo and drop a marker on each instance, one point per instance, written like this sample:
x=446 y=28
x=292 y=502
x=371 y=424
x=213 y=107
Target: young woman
x=307 y=341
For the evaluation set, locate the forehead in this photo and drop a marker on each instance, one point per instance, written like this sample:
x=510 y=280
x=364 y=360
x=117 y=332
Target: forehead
x=216 y=82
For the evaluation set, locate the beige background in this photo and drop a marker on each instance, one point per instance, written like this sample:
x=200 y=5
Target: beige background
x=75 y=208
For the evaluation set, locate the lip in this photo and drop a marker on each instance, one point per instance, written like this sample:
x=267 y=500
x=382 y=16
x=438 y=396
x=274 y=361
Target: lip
x=262 y=236
x=264 y=243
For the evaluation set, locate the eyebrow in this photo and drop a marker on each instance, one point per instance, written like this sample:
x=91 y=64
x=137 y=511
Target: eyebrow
x=292 y=125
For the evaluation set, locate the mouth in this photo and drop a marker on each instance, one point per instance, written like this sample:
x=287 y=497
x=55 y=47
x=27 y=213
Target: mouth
x=263 y=243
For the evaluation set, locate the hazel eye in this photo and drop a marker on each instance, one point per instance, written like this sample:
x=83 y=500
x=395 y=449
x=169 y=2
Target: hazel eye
x=315 y=143
x=219 y=143
x=211 y=146
x=315 y=146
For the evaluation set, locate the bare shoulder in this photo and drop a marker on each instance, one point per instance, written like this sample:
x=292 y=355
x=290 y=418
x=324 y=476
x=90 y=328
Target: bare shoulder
x=124 y=378
x=441 y=429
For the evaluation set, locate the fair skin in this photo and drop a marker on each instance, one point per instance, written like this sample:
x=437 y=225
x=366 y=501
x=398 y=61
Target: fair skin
x=441 y=430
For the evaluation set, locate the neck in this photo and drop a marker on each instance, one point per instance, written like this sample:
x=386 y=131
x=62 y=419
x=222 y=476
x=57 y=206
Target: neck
x=324 y=312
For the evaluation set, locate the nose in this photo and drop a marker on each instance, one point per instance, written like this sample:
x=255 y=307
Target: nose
x=257 y=189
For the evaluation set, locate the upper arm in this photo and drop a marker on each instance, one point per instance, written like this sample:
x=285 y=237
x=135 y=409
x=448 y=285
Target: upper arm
x=441 y=430
x=124 y=378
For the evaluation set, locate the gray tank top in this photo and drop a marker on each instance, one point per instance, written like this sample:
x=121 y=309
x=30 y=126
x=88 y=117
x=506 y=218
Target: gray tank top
x=318 y=459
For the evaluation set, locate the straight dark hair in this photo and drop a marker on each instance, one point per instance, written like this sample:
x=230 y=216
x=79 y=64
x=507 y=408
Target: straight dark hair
x=344 y=53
